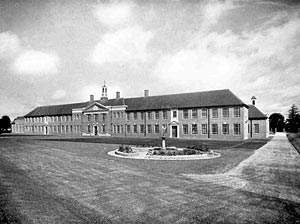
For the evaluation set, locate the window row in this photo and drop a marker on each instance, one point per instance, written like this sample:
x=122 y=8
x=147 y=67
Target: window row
x=96 y=117
x=55 y=129
x=194 y=129
x=48 y=119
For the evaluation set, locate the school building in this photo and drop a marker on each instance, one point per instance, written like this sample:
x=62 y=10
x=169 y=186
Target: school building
x=216 y=115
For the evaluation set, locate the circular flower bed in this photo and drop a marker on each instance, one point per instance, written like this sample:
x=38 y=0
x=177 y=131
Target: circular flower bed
x=126 y=151
x=173 y=151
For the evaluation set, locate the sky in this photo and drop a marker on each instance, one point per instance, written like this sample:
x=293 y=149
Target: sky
x=57 y=52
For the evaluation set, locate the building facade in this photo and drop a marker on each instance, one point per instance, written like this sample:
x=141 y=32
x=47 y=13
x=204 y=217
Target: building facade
x=217 y=115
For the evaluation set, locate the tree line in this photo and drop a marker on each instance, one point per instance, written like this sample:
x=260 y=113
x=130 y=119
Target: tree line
x=5 y=124
x=291 y=124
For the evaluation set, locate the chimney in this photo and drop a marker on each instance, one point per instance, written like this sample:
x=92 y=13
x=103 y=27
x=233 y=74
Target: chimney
x=146 y=93
x=253 y=98
x=91 y=98
x=117 y=95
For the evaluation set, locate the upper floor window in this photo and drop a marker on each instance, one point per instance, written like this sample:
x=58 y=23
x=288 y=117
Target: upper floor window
x=194 y=113
x=149 y=115
x=225 y=112
x=142 y=115
x=215 y=113
x=103 y=117
x=165 y=114
x=174 y=114
x=96 y=117
x=89 y=117
x=185 y=114
x=236 y=112
x=135 y=115
x=128 y=116
x=156 y=114
x=256 y=128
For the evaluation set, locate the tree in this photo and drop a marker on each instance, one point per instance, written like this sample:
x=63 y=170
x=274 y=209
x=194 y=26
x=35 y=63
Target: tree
x=5 y=124
x=293 y=121
x=276 y=122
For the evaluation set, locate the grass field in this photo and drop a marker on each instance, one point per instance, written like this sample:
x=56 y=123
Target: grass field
x=73 y=181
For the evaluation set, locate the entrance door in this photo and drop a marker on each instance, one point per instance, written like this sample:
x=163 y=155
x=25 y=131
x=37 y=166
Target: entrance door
x=174 y=131
x=95 y=130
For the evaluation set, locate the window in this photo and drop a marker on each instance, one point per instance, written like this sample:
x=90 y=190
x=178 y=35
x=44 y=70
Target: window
x=103 y=117
x=121 y=127
x=89 y=117
x=115 y=114
x=149 y=115
x=165 y=114
x=67 y=128
x=128 y=116
x=185 y=114
x=135 y=115
x=236 y=129
x=214 y=129
x=215 y=113
x=103 y=128
x=204 y=129
x=225 y=129
x=128 y=128
x=88 y=129
x=174 y=114
x=156 y=128
x=118 y=128
x=236 y=112
x=194 y=129
x=256 y=128
x=225 y=112
x=118 y=114
x=156 y=115
x=96 y=117
x=114 y=129
x=149 y=128
x=194 y=113
x=142 y=130
x=185 y=129
x=142 y=115
x=135 y=128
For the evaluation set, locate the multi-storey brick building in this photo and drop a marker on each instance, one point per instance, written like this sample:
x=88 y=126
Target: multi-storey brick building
x=218 y=115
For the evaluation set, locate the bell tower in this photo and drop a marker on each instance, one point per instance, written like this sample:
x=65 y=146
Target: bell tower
x=104 y=93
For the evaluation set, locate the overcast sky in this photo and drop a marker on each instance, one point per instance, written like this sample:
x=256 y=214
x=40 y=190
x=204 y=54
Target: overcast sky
x=54 y=52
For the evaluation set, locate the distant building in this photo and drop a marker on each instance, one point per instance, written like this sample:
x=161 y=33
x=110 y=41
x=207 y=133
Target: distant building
x=217 y=115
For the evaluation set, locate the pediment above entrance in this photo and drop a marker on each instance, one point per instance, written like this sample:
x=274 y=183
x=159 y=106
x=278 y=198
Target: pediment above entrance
x=95 y=107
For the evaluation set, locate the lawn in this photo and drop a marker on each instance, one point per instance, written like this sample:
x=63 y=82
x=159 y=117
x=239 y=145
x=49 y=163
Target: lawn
x=294 y=138
x=77 y=182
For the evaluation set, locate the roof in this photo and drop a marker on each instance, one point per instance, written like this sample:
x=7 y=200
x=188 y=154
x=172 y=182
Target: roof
x=255 y=113
x=185 y=100
x=63 y=109
x=213 y=98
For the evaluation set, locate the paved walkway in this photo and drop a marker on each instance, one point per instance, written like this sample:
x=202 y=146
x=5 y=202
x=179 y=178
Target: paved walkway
x=273 y=170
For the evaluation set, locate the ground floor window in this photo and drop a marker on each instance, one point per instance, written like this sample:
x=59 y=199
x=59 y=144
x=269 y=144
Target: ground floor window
x=225 y=129
x=185 y=129
x=149 y=128
x=204 y=129
x=256 y=128
x=88 y=128
x=135 y=128
x=194 y=129
x=128 y=128
x=236 y=129
x=118 y=129
x=142 y=128
x=156 y=128
x=214 y=129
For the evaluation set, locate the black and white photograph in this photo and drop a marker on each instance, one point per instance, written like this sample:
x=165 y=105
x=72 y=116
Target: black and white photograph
x=149 y=111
